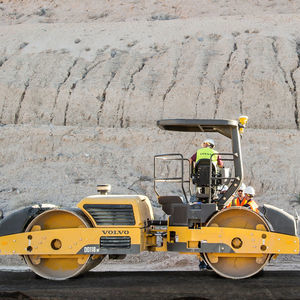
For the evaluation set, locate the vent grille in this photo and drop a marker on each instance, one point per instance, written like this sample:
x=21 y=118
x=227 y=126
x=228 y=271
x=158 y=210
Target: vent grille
x=111 y=214
x=115 y=242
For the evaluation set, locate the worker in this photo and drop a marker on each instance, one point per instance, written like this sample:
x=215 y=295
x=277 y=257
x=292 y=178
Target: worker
x=237 y=200
x=240 y=192
x=249 y=194
x=203 y=265
x=246 y=201
x=206 y=152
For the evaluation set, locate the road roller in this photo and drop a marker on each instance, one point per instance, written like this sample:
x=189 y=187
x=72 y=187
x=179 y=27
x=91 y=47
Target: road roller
x=236 y=242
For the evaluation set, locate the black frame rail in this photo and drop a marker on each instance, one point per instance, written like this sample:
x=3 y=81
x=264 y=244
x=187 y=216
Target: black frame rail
x=230 y=179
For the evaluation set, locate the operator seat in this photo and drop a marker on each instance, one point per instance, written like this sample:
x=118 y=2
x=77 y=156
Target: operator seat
x=200 y=176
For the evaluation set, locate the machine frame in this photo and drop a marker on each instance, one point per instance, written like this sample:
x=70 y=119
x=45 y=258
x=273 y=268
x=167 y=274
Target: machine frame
x=61 y=243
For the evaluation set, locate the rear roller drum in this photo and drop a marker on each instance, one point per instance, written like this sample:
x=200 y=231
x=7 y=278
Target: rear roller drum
x=60 y=268
x=237 y=267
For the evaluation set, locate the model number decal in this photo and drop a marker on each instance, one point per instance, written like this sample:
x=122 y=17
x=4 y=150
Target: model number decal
x=89 y=249
x=115 y=231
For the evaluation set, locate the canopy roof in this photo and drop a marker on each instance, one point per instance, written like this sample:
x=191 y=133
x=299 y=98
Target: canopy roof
x=223 y=127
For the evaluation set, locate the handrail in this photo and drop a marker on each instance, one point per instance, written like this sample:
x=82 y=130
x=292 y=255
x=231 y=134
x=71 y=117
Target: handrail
x=172 y=157
x=180 y=179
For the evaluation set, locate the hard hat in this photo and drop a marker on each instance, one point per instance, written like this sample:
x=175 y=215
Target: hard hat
x=242 y=187
x=249 y=190
x=211 y=142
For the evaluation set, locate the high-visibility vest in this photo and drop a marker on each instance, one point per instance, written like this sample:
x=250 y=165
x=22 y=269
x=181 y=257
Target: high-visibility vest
x=206 y=153
x=237 y=202
x=253 y=205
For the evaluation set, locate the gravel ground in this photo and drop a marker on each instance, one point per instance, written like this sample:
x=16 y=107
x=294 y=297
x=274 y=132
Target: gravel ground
x=168 y=262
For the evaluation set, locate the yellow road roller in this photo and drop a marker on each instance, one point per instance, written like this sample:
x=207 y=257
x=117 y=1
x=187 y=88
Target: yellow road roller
x=236 y=242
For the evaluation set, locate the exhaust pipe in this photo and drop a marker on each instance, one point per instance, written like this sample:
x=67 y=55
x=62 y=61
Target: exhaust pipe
x=103 y=189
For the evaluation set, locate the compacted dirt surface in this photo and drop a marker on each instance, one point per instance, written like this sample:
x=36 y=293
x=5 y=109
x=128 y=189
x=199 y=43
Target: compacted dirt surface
x=152 y=285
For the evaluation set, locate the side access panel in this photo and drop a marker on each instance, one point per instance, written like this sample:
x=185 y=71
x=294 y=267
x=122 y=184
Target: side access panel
x=186 y=215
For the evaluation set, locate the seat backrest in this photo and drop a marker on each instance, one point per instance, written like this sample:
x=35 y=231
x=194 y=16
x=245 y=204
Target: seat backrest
x=201 y=172
x=169 y=199
x=168 y=202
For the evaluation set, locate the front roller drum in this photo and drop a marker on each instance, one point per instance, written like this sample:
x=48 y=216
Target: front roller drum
x=64 y=266
x=237 y=266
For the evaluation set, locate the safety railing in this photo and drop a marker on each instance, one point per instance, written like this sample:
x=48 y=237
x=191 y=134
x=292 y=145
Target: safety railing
x=180 y=179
